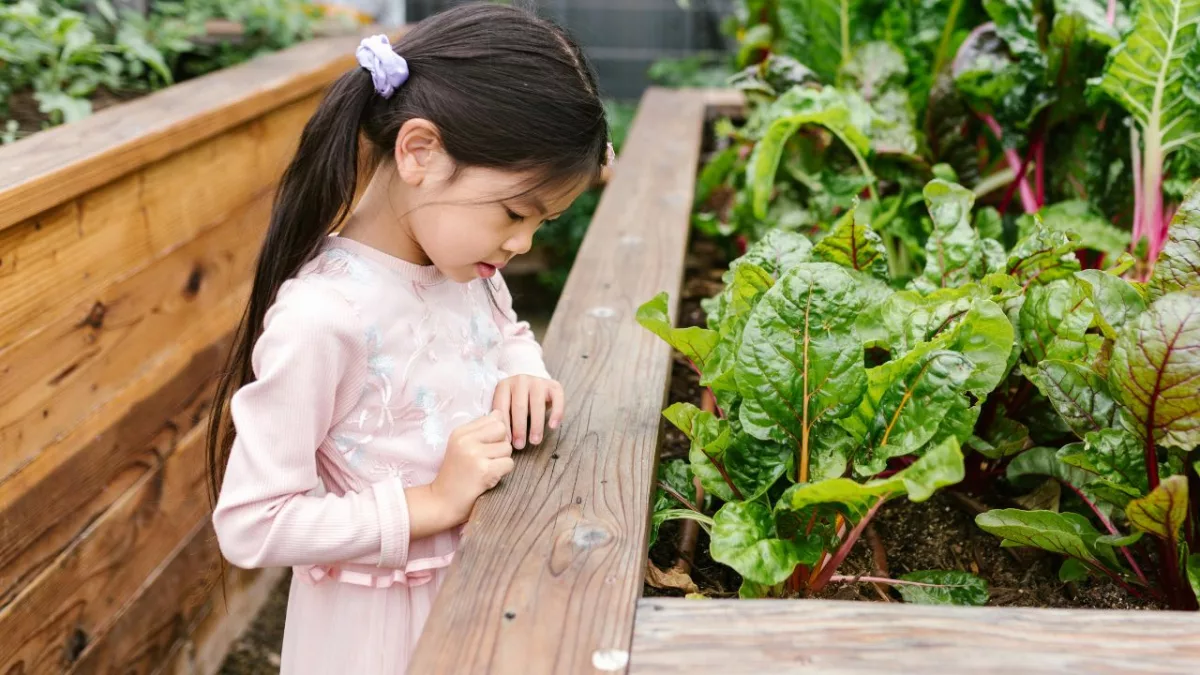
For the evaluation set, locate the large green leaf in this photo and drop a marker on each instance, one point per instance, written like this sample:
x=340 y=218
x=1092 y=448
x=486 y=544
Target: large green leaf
x=1079 y=218
x=813 y=32
x=1145 y=73
x=1092 y=14
x=1069 y=534
x=677 y=475
x=1079 y=395
x=952 y=253
x=942 y=465
x=1116 y=300
x=1155 y=371
x=777 y=252
x=828 y=108
x=1054 y=321
x=744 y=537
x=1115 y=456
x=1044 y=461
x=799 y=361
x=853 y=244
x=1163 y=511
x=1044 y=255
x=877 y=71
x=754 y=464
x=1178 y=266
x=694 y=342
x=906 y=404
x=710 y=438
x=744 y=287
x=944 y=587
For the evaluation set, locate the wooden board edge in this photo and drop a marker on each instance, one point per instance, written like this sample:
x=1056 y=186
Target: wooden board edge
x=86 y=154
x=689 y=100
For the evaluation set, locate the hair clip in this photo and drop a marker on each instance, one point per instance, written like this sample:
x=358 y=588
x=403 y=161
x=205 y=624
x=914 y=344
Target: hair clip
x=610 y=156
x=388 y=69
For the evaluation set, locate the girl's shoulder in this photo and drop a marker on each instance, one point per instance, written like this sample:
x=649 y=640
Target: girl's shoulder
x=312 y=303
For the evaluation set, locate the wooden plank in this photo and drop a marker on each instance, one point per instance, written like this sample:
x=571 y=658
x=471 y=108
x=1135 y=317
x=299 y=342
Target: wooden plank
x=52 y=502
x=56 y=378
x=675 y=635
x=549 y=573
x=59 y=259
x=60 y=164
x=172 y=602
x=78 y=598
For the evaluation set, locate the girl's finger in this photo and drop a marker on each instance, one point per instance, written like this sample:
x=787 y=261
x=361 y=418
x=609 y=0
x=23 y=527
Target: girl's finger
x=497 y=450
x=492 y=428
x=520 y=412
x=537 y=412
x=558 y=404
x=502 y=401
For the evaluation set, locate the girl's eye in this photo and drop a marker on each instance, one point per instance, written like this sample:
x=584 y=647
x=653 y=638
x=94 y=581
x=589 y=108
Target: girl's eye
x=514 y=216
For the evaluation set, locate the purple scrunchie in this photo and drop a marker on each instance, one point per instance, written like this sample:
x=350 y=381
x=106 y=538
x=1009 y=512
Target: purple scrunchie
x=388 y=69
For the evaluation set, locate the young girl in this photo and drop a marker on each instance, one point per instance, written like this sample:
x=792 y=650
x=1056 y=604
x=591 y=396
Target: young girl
x=382 y=379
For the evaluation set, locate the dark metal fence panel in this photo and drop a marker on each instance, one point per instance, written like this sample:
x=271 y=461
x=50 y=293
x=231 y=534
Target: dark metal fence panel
x=624 y=37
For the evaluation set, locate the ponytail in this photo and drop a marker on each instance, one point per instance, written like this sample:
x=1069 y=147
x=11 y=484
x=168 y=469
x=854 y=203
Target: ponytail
x=314 y=197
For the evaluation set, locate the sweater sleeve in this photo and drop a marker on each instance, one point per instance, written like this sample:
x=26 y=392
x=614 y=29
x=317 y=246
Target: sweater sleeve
x=310 y=357
x=520 y=352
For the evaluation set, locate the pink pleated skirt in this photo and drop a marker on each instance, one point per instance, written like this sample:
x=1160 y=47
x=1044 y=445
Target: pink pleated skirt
x=334 y=628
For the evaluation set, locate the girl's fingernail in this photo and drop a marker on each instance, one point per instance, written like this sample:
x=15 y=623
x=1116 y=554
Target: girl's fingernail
x=519 y=444
x=535 y=439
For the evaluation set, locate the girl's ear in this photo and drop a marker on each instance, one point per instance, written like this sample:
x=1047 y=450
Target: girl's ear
x=418 y=153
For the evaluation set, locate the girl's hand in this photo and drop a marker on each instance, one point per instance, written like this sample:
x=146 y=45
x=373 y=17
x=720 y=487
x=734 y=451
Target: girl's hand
x=478 y=455
x=522 y=399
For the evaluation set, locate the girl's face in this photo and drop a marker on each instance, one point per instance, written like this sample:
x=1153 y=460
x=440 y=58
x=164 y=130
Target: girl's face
x=471 y=226
x=468 y=224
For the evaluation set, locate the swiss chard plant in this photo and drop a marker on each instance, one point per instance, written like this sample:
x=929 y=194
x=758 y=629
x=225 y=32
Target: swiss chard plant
x=1131 y=399
x=839 y=387
x=1026 y=103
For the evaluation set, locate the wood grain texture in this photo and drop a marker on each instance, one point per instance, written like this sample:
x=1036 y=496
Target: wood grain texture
x=60 y=259
x=167 y=609
x=550 y=570
x=45 y=508
x=56 y=378
x=80 y=596
x=60 y=164
x=675 y=635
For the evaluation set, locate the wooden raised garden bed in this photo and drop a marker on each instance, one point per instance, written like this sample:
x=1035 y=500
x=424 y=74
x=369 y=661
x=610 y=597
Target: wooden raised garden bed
x=127 y=242
x=550 y=576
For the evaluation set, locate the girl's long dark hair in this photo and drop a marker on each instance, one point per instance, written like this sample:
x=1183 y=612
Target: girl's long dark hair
x=506 y=90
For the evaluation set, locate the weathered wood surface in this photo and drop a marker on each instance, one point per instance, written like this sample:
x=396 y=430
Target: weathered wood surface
x=550 y=570
x=60 y=164
x=675 y=635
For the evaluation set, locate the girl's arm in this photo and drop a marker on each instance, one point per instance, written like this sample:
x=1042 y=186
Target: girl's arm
x=309 y=362
x=520 y=353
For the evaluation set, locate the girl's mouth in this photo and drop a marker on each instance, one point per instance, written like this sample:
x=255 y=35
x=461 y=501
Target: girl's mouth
x=485 y=270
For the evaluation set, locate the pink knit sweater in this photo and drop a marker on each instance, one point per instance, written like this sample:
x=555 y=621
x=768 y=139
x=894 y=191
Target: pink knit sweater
x=365 y=365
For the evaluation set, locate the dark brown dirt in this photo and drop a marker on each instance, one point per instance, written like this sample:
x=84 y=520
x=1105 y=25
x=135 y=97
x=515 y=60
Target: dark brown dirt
x=937 y=534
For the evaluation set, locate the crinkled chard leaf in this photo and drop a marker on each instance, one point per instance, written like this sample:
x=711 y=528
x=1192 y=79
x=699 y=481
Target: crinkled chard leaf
x=744 y=286
x=853 y=244
x=744 y=537
x=799 y=360
x=1115 y=456
x=1163 y=511
x=1043 y=255
x=1054 y=321
x=1116 y=300
x=952 y=253
x=1042 y=461
x=1068 y=534
x=710 y=438
x=906 y=403
x=677 y=475
x=944 y=587
x=1079 y=395
x=1077 y=217
x=1155 y=372
x=1178 y=266
x=695 y=343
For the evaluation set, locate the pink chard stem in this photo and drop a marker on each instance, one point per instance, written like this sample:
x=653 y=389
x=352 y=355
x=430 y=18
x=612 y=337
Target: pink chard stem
x=1111 y=530
x=1028 y=199
x=844 y=550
